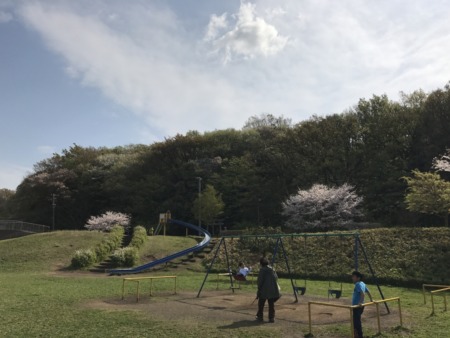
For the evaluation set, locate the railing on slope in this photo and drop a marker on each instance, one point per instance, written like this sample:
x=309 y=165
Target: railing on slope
x=23 y=226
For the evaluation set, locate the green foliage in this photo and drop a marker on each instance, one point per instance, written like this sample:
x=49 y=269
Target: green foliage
x=401 y=256
x=428 y=193
x=126 y=257
x=6 y=196
x=139 y=237
x=267 y=121
x=208 y=206
x=83 y=258
x=371 y=147
x=86 y=258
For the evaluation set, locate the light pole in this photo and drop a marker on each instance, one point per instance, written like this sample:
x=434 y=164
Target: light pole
x=53 y=209
x=199 y=201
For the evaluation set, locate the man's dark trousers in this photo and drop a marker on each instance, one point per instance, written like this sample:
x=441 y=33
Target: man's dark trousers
x=262 y=302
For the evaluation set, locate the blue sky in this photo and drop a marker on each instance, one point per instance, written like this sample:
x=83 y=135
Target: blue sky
x=110 y=72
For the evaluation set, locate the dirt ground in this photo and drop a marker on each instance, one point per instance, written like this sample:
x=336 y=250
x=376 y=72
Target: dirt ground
x=227 y=310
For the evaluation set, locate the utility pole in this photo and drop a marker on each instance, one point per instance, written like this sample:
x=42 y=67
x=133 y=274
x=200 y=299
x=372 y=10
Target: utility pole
x=199 y=201
x=53 y=209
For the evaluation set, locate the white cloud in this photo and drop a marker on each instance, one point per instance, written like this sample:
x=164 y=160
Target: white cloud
x=5 y=17
x=251 y=36
x=216 y=23
x=148 y=71
x=11 y=175
x=295 y=58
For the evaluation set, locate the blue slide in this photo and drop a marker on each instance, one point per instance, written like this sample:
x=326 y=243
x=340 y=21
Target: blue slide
x=199 y=246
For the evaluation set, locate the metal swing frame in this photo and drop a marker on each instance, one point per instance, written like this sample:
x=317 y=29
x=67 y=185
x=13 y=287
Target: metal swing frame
x=279 y=246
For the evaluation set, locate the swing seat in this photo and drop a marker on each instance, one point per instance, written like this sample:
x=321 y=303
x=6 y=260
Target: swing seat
x=300 y=290
x=240 y=278
x=335 y=293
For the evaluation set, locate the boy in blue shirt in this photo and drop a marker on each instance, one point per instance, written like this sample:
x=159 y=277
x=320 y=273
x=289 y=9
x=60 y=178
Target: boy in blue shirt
x=358 y=299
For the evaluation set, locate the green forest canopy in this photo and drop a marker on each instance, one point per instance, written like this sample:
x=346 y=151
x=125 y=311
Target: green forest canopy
x=371 y=146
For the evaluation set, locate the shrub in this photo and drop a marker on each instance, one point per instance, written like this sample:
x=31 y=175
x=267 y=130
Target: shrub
x=139 y=237
x=124 y=257
x=83 y=259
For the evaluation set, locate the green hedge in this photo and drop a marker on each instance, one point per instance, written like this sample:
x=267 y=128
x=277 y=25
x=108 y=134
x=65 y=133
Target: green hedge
x=139 y=237
x=129 y=256
x=86 y=258
x=83 y=258
x=399 y=256
x=126 y=257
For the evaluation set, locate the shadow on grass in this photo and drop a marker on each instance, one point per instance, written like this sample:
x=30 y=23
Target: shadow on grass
x=240 y=324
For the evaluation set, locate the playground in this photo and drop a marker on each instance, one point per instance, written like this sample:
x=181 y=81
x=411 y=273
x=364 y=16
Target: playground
x=238 y=310
x=36 y=283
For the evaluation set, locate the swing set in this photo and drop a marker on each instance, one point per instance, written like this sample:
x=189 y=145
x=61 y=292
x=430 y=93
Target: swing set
x=279 y=249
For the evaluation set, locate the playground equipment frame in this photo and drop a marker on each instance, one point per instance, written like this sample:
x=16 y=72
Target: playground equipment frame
x=279 y=246
x=351 y=307
x=137 y=280
x=439 y=289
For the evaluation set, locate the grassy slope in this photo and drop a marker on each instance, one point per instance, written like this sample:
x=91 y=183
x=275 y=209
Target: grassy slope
x=57 y=304
x=41 y=252
x=160 y=246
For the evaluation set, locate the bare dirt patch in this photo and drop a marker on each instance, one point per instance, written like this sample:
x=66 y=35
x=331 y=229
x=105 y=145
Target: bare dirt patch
x=224 y=310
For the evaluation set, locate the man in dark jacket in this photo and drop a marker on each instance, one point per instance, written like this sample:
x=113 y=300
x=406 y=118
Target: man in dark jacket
x=267 y=290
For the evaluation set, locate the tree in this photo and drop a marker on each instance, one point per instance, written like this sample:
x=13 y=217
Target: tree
x=428 y=193
x=431 y=136
x=442 y=163
x=5 y=198
x=107 y=221
x=322 y=206
x=267 y=121
x=208 y=205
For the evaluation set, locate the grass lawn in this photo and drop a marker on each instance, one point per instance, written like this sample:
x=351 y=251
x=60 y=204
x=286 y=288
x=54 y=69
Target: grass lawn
x=39 y=300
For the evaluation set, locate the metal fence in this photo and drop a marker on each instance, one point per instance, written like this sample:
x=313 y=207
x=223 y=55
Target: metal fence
x=23 y=226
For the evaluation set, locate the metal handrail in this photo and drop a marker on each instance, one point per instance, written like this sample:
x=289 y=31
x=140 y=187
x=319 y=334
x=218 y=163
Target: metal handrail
x=444 y=295
x=23 y=226
x=352 y=307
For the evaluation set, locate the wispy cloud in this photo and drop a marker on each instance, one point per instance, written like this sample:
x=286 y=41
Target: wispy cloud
x=289 y=57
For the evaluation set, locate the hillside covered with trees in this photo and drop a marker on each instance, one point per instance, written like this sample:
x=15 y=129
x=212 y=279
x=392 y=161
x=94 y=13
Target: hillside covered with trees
x=371 y=147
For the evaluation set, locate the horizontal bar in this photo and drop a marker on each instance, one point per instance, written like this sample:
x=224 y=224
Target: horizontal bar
x=331 y=305
x=441 y=290
x=435 y=286
x=377 y=302
x=355 y=306
x=140 y=278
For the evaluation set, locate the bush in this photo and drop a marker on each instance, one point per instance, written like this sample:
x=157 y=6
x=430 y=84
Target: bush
x=139 y=237
x=126 y=257
x=83 y=259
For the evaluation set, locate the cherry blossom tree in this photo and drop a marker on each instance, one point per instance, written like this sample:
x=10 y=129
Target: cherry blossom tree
x=107 y=221
x=442 y=163
x=322 y=206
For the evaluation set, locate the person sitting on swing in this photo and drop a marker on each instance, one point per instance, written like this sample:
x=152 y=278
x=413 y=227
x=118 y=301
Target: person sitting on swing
x=242 y=273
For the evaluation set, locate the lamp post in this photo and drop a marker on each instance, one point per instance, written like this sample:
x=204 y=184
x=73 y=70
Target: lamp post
x=53 y=211
x=199 y=201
